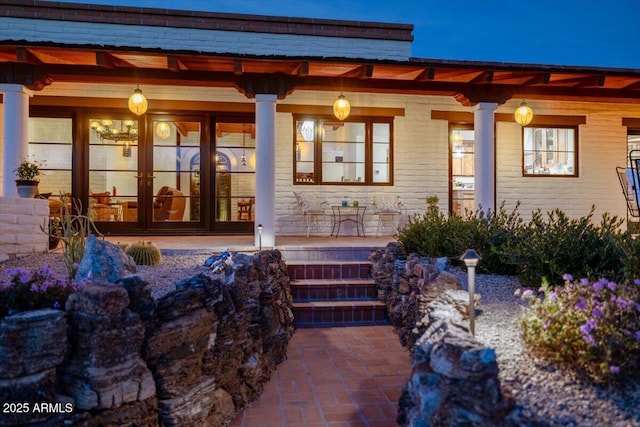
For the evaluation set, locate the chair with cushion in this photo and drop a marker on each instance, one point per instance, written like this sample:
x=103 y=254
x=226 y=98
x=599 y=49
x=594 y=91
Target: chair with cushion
x=169 y=205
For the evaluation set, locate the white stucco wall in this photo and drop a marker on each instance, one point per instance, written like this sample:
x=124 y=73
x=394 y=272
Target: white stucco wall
x=210 y=41
x=421 y=153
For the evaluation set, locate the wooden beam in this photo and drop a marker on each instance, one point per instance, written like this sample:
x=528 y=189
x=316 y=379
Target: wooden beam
x=238 y=68
x=174 y=64
x=327 y=110
x=303 y=69
x=105 y=60
x=484 y=77
x=631 y=122
x=464 y=117
x=155 y=105
x=24 y=55
x=426 y=74
x=362 y=72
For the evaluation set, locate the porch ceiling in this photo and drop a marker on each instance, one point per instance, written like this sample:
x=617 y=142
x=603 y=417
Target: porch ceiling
x=470 y=82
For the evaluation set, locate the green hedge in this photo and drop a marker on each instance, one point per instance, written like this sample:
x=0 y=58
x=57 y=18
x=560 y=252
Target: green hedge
x=548 y=246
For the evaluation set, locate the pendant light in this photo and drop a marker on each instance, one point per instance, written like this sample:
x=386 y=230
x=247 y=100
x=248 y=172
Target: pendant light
x=137 y=102
x=523 y=114
x=341 y=107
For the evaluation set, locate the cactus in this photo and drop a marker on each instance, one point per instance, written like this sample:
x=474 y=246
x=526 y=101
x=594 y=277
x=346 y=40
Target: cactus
x=144 y=253
x=123 y=246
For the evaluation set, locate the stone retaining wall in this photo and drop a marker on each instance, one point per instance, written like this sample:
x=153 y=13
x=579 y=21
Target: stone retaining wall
x=194 y=357
x=454 y=379
x=20 y=221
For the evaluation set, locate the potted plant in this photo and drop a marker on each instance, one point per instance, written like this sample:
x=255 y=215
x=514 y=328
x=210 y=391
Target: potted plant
x=432 y=205
x=28 y=175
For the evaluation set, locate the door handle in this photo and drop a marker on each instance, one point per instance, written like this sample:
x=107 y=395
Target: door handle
x=150 y=178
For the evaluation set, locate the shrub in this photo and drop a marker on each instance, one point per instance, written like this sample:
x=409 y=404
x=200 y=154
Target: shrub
x=34 y=290
x=551 y=246
x=492 y=234
x=144 y=253
x=591 y=326
x=543 y=248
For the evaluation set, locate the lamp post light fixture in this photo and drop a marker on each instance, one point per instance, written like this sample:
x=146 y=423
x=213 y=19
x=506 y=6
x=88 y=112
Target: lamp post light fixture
x=471 y=259
x=260 y=237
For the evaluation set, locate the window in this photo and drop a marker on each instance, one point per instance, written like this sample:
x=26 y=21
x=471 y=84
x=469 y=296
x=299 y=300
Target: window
x=462 y=147
x=50 y=140
x=550 y=151
x=328 y=151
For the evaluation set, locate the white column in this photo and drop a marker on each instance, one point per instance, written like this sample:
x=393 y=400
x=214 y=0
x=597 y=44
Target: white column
x=15 y=128
x=265 y=170
x=484 y=165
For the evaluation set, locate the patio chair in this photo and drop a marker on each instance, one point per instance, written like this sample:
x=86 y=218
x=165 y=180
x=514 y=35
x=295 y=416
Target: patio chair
x=387 y=207
x=630 y=181
x=312 y=209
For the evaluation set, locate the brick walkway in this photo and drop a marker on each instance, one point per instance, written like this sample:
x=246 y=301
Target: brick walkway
x=337 y=377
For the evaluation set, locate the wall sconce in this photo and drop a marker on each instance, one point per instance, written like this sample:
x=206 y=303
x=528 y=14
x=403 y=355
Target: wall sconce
x=341 y=107
x=523 y=114
x=137 y=102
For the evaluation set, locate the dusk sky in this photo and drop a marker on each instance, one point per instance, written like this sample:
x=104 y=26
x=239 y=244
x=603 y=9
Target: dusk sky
x=551 y=32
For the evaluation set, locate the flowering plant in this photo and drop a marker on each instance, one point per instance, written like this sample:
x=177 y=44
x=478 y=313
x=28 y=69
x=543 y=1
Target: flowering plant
x=592 y=326
x=29 y=170
x=23 y=290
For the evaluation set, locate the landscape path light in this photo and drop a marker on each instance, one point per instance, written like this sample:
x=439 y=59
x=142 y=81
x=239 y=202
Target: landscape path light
x=471 y=259
x=260 y=237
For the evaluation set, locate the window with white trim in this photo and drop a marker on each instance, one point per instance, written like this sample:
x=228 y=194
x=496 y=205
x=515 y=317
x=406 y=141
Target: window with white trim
x=550 y=151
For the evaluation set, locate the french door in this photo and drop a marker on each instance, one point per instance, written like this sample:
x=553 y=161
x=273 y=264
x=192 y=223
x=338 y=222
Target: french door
x=169 y=172
x=145 y=174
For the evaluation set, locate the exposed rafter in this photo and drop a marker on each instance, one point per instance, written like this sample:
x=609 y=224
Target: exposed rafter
x=470 y=81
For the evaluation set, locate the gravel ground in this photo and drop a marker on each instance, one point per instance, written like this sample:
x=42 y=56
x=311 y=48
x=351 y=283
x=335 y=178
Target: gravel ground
x=550 y=396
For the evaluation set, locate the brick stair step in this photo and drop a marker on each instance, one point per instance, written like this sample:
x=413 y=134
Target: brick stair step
x=338 y=313
x=335 y=289
x=328 y=270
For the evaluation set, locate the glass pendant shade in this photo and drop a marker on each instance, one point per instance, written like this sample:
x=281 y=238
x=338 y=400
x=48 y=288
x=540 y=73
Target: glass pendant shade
x=138 y=102
x=163 y=130
x=523 y=114
x=341 y=108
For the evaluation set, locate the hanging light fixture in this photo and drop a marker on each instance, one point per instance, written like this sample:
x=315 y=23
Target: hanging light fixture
x=523 y=114
x=137 y=102
x=341 y=107
x=106 y=130
x=243 y=158
x=163 y=130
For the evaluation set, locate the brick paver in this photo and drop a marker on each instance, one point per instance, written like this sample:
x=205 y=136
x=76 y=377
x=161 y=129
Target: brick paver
x=337 y=377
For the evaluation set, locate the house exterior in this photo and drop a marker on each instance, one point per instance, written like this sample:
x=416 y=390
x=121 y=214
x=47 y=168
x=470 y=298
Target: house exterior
x=239 y=120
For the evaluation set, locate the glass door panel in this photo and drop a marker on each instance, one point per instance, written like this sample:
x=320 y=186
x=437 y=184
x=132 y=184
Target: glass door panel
x=462 y=170
x=235 y=162
x=176 y=171
x=113 y=170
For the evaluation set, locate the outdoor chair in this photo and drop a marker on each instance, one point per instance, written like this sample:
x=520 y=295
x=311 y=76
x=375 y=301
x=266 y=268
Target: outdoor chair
x=312 y=209
x=630 y=181
x=387 y=207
